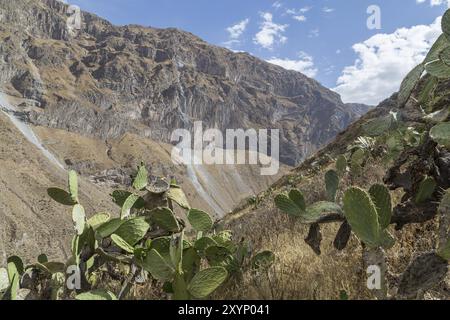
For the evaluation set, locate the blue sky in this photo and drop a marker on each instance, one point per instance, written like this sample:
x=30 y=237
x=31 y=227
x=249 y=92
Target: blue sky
x=327 y=39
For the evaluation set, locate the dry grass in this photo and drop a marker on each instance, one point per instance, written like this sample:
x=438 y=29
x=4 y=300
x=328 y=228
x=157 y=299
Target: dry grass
x=299 y=274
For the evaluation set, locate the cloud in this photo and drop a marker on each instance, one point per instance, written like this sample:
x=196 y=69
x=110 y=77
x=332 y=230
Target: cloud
x=270 y=32
x=327 y=9
x=435 y=2
x=383 y=61
x=299 y=18
x=304 y=64
x=298 y=14
x=238 y=29
x=277 y=5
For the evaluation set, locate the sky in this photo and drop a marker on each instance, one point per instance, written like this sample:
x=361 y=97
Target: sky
x=362 y=49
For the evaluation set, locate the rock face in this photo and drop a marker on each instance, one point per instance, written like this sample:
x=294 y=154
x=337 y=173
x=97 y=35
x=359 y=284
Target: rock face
x=102 y=98
x=105 y=81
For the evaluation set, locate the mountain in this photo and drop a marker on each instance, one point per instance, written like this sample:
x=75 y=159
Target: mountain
x=103 y=98
x=105 y=81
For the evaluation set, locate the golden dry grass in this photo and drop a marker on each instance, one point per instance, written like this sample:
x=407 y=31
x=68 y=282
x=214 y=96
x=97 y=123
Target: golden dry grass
x=298 y=273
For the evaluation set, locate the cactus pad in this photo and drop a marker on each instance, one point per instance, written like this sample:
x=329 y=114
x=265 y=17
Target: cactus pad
x=165 y=219
x=332 y=184
x=207 y=281
x=200 y=220
x=362 y=216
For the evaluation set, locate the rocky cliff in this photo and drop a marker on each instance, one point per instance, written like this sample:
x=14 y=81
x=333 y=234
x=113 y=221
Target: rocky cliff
x=102 y=98
x=104 y=81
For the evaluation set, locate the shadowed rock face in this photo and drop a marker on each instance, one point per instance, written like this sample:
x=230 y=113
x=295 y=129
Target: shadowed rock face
x=104 y=81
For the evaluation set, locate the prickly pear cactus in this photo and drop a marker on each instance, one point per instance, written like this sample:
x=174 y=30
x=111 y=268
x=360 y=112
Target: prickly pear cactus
x=79 y=218
x=73 y=186
x=409 y=84
x=141 y=179
x=200 y=220
x=165 y=218
x=426 y=190
x=362 y=216
x=331 y=184
x=207 y=281
x=341 y=165
x=382 y=200
x=287 y=205
x=441 y=134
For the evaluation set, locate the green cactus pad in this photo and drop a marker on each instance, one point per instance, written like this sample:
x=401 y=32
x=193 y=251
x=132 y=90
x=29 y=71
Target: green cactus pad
x=332 y=184
x=204 y=242
x=285 y=204
x=73 y=185
x=297 y=197
x=438 y=69
x=386 y=241
x=60 y=196
x=426 y=190
x=15 y=269
x=165 y=219
x=177 y=195
x=179 y=288
x=200 y=220
x=96 y=295
x=377 y=127
x=318 y=210
x=444 y=252
x=108 y=228
x=409 y=84
x=128 y=205
x=341 y=165
x=191 y=262
x=263 y=260
x=141 y=179
x=358 y=157
x=217 y=255
x=437 y=48
x=445 y=23
x=441 y=134
x=157 y=266
x=362 y=216
x=207 y=281
x=121 y=243
x=42 y=258
x=79 y=218
x=98 y=220
x=382 y=200
x=51 y=267
x=445 y=56
x=133 y=230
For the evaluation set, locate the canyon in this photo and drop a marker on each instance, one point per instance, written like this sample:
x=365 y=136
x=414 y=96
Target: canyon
x=101 y=99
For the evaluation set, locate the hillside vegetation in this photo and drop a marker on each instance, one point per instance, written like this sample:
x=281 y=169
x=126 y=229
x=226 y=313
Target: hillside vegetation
x=377 y=199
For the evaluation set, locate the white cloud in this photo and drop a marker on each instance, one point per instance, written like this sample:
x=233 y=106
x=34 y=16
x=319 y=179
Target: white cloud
x=298 y=14
x=435 y=2
x=270 y=32
x=277 y=4
x=304 y=64
x=299 y=18
x=327 y=9
x=383 y=61
x=238 y=29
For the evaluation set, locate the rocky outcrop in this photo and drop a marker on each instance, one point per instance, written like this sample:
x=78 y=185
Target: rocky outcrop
x=104 y=81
